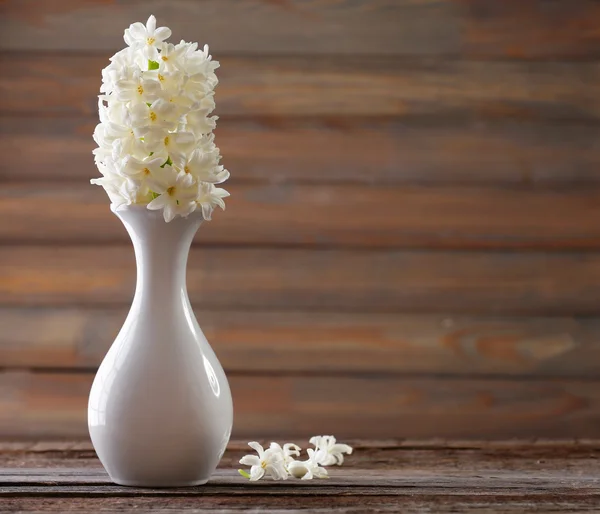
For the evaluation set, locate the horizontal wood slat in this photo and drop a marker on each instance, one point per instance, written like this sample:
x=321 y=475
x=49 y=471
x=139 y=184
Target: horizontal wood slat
x=327 y=215
x=357 y=280
x=325 y=342
x=33 y=404
x=529 y=476
x=470 y=28
x=68 y=85
x=338 y=149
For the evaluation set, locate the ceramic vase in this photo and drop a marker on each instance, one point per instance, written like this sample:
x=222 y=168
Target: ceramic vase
x=160 y=409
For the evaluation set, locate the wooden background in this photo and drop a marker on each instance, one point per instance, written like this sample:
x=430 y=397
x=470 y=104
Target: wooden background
x=412 y=244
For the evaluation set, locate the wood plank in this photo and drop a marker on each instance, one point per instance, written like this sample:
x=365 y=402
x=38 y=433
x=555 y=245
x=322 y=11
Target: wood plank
x=339 y=149
x=328 y=215
x=68 y=84
x=295 y=279
x=414 y=475
x=35 y=456
x=468 y=28
x=533 y=29
x=54 y=405
x=317 y=342
x=53 y=482
x=232 y=26
x=408 y=501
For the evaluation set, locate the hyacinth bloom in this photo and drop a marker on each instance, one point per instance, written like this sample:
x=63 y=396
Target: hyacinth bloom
x=269 y=461
x=328 y=451
x=307 y=469
x=155 y=141
x=280 y=462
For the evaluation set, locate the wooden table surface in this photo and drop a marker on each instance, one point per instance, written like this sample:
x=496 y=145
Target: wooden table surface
x=381 y=476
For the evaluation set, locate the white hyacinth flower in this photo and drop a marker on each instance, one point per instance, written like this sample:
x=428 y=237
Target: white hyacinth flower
x=307 y=469
x=176 y=192
x=210 y=197
x=200 y=122
x=172 y=57
x=289 y=451
x=147 y=37
x=155 y=140
x=328 y=451
x=204 y=167
x=270 y=461
x=136 y=88
x=160 y=115
x=141 y=172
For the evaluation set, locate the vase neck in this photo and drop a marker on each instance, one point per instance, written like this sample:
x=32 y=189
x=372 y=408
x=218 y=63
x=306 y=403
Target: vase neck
x=161 y=252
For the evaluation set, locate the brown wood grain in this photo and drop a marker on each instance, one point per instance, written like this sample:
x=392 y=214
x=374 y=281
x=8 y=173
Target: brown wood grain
x=71 y=338
x=339 y=149
x=468 y=28
x=408 y=500
x=532 y=29
x=285 y=406
x=68 y=85
x=391 y=476
x=373 y=216
x=290 y=279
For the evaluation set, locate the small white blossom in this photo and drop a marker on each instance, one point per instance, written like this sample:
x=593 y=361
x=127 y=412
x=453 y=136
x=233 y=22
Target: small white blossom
x=204 y=167
x=200 y=122
x=172 y=57
x=142 y=172
x=270 y=461
x=289 y=451
x=328 y=451
x=135 y=87
x=155 y=140
x=147 y=37
x=210 y=197
x=169 y=145
x=114 y=184
x=176 y=191
x=161 y=115
x=307 y=469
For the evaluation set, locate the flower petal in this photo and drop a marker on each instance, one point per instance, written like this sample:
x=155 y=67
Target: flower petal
x=341 y=448
x=315 y=440
x=157 y=204
x=256 y=447
x=169 y=212
x=297 y=469
x=291 y=449
x=256 y=473
x=151 y=25
x=320 y=472
x=137 y=30
x=250 y=460
x=207 y=211
x=151 y=53
x=308 y=475
x=162 y=33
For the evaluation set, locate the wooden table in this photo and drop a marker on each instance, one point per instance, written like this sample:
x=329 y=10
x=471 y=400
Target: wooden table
x=381 y=476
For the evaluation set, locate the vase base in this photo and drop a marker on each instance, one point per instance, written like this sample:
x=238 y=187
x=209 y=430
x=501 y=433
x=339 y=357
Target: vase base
x=157 y=484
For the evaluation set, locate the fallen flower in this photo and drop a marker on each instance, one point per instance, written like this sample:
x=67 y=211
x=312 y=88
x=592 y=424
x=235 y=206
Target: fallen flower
x=328 y=451
x=307 y=469
x=270 y=461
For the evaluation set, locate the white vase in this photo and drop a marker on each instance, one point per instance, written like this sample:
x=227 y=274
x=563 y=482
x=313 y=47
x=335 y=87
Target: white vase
x=160 y=409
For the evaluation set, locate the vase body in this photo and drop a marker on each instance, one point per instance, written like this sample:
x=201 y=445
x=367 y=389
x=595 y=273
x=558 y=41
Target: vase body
x=160 y=409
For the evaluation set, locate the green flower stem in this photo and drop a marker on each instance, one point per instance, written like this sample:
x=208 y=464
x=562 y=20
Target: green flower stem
x=244 y=474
